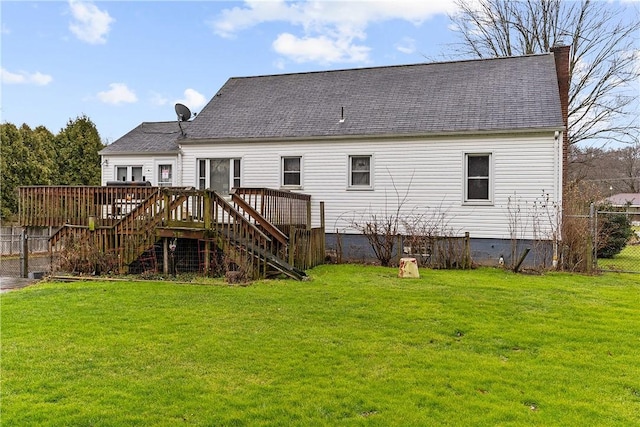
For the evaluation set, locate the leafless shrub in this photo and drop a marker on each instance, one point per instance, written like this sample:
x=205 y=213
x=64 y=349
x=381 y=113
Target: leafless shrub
x=431 y=240
x=546 y=220
x=517 y=221
x=81 y=256
x=577 y=246
x=235 y=273
x=381 y=229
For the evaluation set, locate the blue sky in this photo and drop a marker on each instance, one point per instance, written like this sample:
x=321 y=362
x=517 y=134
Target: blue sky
x=122 y=63
x=125 y=62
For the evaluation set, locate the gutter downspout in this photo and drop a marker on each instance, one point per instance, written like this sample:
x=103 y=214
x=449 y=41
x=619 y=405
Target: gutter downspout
x=179 y=167
x=557 y=183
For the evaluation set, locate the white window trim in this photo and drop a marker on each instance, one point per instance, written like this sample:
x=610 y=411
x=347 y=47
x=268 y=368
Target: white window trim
x=207 y=176
x=129 y=171
x=477 y=202
x=292 y=187
x=161 y=162
x=352 y=187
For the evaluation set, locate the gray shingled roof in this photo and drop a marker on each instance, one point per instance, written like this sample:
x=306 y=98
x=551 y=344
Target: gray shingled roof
x=500 y=94
x=148 y=137
x=478 y=95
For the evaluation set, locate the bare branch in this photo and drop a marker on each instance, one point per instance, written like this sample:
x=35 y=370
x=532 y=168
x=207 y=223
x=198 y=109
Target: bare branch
x=603 y=94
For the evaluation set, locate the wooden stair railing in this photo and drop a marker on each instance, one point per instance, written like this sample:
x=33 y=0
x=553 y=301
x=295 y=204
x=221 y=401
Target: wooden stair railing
x=135 y=232
x=266 y=257
x=253 y=214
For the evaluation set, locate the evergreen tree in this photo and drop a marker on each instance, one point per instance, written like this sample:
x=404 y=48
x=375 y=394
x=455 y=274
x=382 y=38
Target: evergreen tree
x=25 y=159
x=77 y=147
x=614 y=232
x=37 y=157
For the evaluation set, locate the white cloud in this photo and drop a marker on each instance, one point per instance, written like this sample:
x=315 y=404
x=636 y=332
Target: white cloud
x=407 y=45
x=90 y=24
x=118 y=94
x=193 y=99
x=22 y=77
x=325 y=25
x=322 y=49
x=4 y=29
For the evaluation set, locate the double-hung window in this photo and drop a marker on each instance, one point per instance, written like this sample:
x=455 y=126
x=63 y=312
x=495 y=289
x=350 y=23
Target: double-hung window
x=291 y=171
x=478 y=180
x=220 y=175
x=129 y=173
x=360 y=172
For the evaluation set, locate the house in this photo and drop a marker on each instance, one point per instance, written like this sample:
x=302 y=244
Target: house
x=627 y=202
x=475 y=146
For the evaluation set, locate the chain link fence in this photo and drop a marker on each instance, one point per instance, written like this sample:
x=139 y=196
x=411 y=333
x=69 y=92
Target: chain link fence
x=13 y=240
x=608 y=227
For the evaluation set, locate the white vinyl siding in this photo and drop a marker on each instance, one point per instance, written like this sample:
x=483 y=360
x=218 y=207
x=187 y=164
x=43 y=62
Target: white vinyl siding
x=425 y=175
x=148 y=163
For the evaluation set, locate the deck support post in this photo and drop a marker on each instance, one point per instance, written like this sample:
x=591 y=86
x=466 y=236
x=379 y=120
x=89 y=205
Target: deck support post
x=292 y=246
x=207 y=256
x=165 y=255
x=323 y=241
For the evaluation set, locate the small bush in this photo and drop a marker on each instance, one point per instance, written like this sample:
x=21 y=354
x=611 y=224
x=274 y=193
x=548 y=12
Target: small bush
x=614 y=231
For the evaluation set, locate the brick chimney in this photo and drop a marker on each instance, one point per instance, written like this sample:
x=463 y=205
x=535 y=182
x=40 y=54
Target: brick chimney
x=561 y=56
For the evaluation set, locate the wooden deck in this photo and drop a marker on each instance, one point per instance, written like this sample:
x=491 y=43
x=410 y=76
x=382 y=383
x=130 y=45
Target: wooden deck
x=259 y=230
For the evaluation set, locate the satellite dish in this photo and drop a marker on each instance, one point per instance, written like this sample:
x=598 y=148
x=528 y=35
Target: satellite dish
x=183 y=112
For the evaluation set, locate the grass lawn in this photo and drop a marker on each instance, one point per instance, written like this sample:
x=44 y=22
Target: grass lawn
x=353 y=346
x=627 y=260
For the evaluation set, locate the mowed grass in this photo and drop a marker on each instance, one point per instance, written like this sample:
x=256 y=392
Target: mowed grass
x=354 y=345
x=627 y=260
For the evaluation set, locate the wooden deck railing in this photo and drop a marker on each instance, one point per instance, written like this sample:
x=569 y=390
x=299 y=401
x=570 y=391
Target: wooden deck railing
x=252 y=228
x=55 y=206
x=284 y=209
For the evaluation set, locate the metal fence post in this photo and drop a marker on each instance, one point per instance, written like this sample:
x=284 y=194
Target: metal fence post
x=24 y=255
x=592 y=240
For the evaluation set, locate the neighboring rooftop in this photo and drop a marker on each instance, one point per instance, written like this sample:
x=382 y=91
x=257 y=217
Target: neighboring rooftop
x=148 y=137
x=497 y=94
x=625 y=199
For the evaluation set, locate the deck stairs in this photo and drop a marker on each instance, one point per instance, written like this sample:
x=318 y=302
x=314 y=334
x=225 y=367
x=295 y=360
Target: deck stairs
x=235 y=227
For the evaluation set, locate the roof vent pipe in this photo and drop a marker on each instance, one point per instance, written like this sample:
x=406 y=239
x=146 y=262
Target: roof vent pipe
x=341 y=114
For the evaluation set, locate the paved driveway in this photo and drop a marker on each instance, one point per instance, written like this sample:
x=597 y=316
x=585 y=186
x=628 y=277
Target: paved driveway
x=10 y=271
x=11 y=283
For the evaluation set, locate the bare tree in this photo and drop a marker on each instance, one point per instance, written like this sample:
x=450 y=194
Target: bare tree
x=612 y=171
x=630 y=161
x=603 y=94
